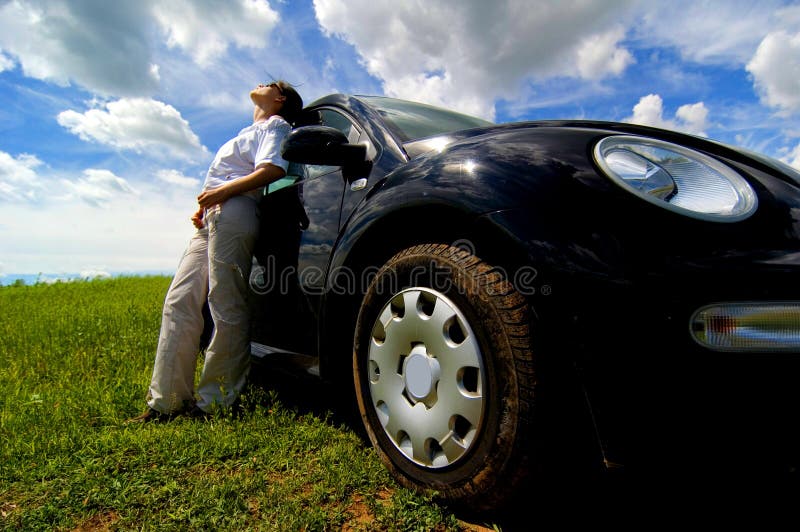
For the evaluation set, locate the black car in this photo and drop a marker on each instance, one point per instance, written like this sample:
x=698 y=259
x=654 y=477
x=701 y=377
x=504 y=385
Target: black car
x=517 y=300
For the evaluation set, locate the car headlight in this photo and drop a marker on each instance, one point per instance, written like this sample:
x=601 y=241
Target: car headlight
x=676 y=178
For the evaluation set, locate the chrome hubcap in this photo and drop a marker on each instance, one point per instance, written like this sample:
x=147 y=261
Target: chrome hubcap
x=421 y=374
x=426 y=377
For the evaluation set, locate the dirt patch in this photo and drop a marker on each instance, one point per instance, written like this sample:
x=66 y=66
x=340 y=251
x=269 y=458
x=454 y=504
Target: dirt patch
x=6 y=508
x=98 y=523
x=360 y=515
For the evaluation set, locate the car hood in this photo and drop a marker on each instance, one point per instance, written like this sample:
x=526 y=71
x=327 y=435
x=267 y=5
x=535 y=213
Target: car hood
x=439 y=143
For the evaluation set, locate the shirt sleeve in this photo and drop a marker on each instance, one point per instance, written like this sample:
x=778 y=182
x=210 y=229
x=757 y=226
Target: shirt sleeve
x=269 y=145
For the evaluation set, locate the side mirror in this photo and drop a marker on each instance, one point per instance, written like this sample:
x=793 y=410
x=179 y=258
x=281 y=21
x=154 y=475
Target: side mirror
x=328 y=146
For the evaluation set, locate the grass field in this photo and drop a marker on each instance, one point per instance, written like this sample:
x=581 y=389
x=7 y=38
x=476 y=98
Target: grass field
x=75 y=361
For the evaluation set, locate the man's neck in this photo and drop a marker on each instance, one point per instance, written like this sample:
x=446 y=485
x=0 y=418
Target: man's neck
x=259 y=115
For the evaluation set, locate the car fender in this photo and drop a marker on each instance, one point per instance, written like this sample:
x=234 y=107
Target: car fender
x=445 y=197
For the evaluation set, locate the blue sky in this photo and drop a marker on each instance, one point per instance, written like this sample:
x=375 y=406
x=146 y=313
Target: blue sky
x=111 y=111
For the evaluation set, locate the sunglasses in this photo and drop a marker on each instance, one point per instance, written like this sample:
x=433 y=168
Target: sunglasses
x=273 y=84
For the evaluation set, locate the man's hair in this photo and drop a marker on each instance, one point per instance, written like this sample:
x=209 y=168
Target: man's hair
x=293 y=104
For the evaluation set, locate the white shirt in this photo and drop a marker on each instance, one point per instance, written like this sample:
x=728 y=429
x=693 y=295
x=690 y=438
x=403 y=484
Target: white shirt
x=253 y=147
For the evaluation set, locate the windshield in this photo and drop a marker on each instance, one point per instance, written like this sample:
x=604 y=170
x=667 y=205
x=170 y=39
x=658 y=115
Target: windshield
x=411 y=120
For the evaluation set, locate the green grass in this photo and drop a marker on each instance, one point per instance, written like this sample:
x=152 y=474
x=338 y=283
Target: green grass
x=75 y=361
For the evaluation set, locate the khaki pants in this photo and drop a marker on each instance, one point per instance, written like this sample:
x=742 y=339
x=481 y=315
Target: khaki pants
x=216 y=266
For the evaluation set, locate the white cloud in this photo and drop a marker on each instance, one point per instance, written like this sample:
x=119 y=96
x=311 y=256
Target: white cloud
x=708 y=32
x=127 y=235
x=94 y=273
x=155 y=72
x=174 y=177
x=204 y=30
x=793 y=157
x=776 y=71
x=114 y=48
x=100 y=45
x=93 y=222
x=18 y=178
x=98 y=187
x=489 y=49
x=691 y=118
x=649 y=111
x=138 y=124
x=599 y=55
x=5 y=62
x=21 y=183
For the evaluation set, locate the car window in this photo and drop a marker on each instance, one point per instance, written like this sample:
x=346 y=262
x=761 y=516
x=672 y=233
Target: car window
x=294 y=173
x=339 y=121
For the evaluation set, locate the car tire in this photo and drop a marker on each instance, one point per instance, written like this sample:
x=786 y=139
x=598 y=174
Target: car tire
x=444 y=374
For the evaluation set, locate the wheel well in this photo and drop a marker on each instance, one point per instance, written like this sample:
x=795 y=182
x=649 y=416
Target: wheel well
x=435 y=223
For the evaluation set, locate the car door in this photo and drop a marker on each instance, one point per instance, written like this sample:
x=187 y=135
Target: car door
x=286 y=313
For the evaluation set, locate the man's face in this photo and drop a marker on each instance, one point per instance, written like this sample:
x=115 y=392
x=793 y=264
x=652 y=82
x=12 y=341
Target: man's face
x=267 y=95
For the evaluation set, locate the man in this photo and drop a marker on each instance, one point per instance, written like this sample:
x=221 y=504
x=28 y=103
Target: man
x=216 y=267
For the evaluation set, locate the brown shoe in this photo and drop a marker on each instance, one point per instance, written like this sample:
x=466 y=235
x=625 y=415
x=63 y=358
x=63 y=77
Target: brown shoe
x=150 y=415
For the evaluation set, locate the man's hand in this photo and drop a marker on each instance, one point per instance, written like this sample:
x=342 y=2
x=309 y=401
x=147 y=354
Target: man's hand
x=260 y=177
x=212 y=197
x=197 y=218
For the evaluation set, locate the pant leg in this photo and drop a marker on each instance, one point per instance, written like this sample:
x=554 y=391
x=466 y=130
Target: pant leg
x=232 y=234
x=172 y=384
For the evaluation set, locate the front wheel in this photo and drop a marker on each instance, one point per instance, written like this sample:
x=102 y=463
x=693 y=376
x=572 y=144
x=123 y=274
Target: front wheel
x=444 y=374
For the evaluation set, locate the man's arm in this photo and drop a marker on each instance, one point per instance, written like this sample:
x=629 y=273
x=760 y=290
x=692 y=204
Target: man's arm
x=262 y=176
